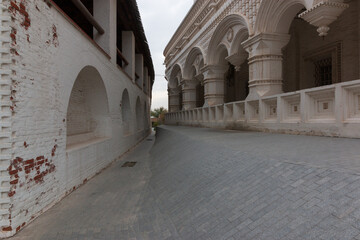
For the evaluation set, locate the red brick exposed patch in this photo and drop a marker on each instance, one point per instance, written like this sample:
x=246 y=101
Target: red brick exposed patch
x=32 y=170
x=13 y=182
x=12 y=193
x=14 y=5
x=53 y=150
x=55 y=39
x=7 y=229
x=26 y=145
x=21 y=9
x=13 y=36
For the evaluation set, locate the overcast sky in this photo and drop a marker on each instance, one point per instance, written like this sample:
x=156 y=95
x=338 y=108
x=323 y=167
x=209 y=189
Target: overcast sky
x=161 y=18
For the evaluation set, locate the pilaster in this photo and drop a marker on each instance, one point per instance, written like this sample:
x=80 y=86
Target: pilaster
x=128 y=50
x=105 y=14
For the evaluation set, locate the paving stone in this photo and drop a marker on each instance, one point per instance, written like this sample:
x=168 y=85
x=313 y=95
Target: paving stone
x=195 y=183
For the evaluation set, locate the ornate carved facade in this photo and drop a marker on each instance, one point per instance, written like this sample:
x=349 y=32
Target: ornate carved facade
x=267 y=65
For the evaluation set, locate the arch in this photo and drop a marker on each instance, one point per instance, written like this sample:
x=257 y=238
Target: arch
x=88 y=108
x=194 y=59
x=138 y=112
x=236 y=47
x=222 y=52
x=174 y=84
x=175 y=76
x=125 y=112
x=224 y=34
x=276 y=16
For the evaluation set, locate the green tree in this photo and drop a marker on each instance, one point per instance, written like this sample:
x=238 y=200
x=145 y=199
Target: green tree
x=157 y=112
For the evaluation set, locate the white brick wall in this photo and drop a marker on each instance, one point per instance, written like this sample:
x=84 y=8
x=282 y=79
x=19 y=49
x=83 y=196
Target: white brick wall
x=47 y=54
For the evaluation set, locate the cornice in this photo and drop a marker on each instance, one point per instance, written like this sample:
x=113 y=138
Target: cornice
x=193 y=21
x=224 y=7
x=196 y=7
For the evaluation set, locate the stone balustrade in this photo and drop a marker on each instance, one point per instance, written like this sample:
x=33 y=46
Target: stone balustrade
x=332 y=110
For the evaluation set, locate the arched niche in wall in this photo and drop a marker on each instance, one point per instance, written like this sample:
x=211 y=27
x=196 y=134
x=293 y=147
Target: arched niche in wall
x=138 y=115
x=125 y=112
x=88 y=111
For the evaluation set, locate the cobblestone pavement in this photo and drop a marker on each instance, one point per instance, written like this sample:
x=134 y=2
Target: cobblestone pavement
x=195 y=183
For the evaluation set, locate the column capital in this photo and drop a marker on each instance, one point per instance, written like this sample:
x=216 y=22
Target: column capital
x=266 y=44
x=323 y=14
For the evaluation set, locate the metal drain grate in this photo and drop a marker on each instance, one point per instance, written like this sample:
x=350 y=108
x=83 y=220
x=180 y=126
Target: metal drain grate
x=129 y=164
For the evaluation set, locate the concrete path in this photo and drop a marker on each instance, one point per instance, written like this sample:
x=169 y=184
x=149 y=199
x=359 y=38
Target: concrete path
x=194 y=183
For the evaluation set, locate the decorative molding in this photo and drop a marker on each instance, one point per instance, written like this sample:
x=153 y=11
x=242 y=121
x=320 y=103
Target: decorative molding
x=247 y=8
x=230 y=35
x=323 y=14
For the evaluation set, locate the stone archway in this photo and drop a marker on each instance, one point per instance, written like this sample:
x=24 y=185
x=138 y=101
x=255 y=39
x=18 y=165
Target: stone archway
x=225 y=59
x=175 y=90
x=193 y=86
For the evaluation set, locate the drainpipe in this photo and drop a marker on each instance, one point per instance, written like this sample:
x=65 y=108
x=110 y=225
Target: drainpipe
x=88 y=15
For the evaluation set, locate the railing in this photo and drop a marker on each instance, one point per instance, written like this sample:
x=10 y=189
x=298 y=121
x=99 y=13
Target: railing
x=122 y=57
x=332 y=110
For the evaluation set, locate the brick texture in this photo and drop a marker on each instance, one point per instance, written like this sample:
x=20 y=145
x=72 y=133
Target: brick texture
x=41 y=55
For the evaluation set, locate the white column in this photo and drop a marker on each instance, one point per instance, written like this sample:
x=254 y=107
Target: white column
x=189 y=94
x=214 y=84
x=174 y=99
x=105 y=15
x=128 y=50
x=265 y=64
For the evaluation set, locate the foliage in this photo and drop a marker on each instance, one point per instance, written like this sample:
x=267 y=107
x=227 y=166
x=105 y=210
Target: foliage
x=157 y=112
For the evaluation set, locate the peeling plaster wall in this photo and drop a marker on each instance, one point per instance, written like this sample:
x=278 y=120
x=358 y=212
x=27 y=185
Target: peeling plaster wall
x=45 y=54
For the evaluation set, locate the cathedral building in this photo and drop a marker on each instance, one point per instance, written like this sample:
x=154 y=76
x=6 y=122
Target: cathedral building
x=279 y=66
